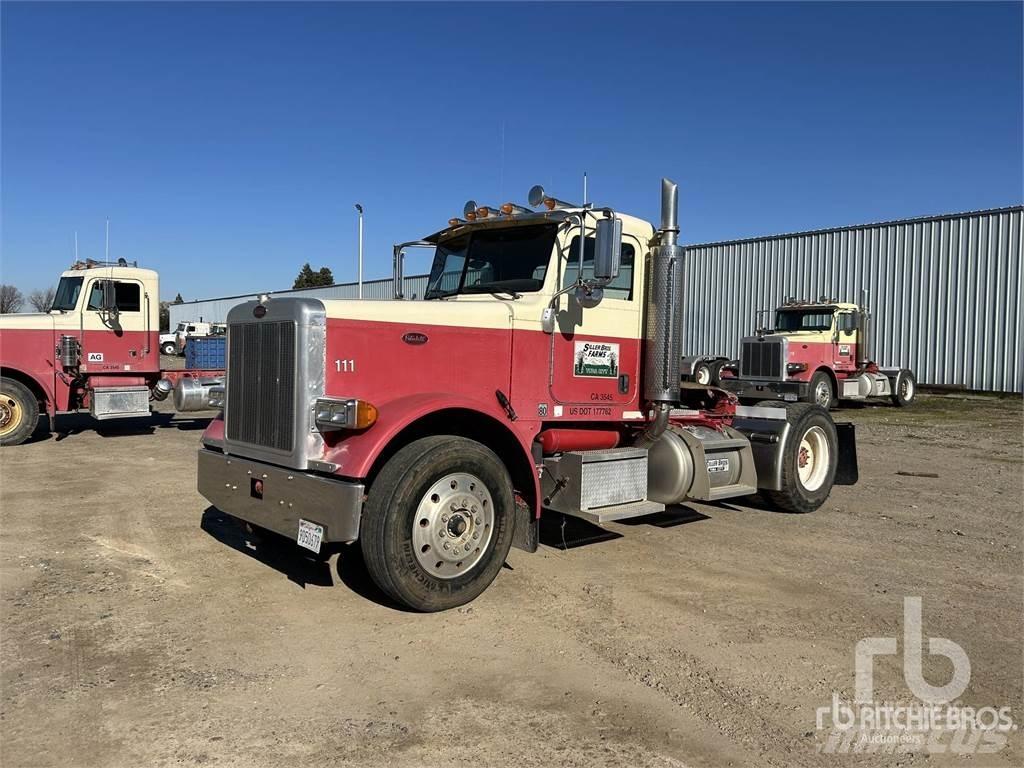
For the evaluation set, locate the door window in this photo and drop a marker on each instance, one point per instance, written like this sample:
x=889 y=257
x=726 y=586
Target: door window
x=127 y=296
x=619 y=288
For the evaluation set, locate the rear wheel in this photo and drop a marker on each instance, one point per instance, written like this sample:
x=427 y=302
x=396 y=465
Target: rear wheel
x=19 y=412
x=809 y=460
x=820 y=390
x=437 y=525
x=904 y=389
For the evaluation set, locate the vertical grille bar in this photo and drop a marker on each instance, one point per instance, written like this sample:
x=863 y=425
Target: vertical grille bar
x=261 y=397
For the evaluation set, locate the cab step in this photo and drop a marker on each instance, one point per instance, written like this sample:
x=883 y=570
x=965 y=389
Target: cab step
x=618 y=512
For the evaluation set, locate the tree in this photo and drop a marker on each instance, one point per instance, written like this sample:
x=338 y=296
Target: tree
x=178 y=299
x=41 y=301
x=11 y=299
x=165 y=315
x=309 y=279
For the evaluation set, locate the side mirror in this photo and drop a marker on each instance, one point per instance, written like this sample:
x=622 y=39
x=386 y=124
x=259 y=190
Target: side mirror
x=109 y=296
x=607 y=249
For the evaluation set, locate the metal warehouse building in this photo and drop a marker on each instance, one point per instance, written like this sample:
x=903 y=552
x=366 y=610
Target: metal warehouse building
x=944 y=291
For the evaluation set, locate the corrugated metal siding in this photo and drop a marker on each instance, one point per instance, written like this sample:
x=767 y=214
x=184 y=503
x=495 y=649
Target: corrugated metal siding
x=945 y=292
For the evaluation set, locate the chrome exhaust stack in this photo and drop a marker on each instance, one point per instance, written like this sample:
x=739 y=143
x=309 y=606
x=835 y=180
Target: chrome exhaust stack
x=663 y=337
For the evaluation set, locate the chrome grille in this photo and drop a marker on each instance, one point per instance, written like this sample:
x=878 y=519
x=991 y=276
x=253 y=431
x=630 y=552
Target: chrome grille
x=261 y=384
x=761 y=359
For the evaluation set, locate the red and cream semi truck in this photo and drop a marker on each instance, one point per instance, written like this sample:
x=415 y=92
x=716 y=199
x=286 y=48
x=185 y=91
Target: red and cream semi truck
x=818 y=353
x=97 y=348
x=540 y=374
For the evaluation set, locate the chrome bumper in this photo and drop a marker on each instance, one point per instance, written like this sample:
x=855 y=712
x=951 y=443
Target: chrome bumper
x=232 y=484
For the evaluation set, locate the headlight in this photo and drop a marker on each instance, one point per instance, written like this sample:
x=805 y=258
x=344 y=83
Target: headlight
x=795 y=367
x=333 y=414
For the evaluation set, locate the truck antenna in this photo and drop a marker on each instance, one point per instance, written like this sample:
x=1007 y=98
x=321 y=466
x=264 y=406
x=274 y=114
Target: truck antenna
x=585 y=189
x=106 y=247
x=76 y=245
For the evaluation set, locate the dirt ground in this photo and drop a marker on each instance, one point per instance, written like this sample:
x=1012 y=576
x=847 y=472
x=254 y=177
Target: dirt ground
x=142 y=628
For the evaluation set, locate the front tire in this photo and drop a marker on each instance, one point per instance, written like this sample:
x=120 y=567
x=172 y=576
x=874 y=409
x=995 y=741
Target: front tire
x=809 y=460
x=702 y=374
x=168 y=348
x=19 y=412
x=820 y=390
x=904 y=389
x=438 y=523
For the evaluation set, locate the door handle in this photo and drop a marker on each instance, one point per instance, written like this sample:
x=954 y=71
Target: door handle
x=624 y=384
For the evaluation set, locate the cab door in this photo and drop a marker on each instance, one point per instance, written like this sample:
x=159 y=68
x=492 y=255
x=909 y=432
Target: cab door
x=595 y=350
x=114 y=341
x=844 y=341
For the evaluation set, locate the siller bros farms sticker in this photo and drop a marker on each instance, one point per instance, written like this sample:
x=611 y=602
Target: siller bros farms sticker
x=595 y=358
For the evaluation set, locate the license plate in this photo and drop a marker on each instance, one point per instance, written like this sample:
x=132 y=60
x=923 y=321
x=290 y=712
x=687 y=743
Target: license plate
x=718 y=465
x=789 y=397
x=311 y=535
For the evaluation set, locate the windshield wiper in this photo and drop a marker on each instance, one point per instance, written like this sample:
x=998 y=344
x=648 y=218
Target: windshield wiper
x=493 y=290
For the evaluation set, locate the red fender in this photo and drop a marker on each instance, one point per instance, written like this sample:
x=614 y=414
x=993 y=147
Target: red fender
x=47 y=387
x=355 y=454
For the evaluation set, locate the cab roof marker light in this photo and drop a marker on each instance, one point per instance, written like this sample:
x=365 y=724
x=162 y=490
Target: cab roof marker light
x=511 y=209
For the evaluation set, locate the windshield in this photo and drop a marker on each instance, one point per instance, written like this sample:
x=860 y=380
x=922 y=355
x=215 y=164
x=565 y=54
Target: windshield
x=791 y=320
x=510 y=260
x=67 y=293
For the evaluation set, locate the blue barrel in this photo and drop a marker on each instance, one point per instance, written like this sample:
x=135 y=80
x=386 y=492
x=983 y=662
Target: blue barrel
x=205 y=352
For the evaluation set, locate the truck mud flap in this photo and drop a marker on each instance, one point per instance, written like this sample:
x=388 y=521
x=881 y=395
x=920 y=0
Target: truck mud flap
x=846 y=470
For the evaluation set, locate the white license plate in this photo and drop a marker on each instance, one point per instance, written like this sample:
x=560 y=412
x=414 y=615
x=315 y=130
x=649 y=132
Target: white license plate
x=718 y=465
x=311 y=535
x=789 y=397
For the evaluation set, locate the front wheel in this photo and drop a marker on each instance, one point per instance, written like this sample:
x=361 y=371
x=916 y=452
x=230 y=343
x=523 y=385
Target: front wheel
x=168 y=348
x=437 y=524
x=809 y=460
x=820 y=390
x=904 y=389
x=19 y=412
x=702 y=374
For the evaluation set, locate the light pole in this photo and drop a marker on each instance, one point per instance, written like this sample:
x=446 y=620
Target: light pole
x=360 y=209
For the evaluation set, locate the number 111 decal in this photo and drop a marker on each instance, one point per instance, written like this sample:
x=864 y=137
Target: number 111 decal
x=345 y=366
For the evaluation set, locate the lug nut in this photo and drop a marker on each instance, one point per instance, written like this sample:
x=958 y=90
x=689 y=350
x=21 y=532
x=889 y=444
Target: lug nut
x=444 y=518
x=446 y=545
x=476 y=535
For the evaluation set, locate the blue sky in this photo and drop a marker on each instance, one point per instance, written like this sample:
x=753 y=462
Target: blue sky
x=228 y=142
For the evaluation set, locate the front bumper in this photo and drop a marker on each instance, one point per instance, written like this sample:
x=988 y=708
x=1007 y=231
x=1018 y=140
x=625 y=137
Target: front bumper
x=230 y=484
x=790 y=391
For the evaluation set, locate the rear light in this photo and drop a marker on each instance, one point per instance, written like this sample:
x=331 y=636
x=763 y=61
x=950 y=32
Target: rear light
x=333 y=414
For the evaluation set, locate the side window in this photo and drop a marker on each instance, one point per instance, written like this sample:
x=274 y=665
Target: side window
x=619 y=288
x=127 y=296
x=190 y=329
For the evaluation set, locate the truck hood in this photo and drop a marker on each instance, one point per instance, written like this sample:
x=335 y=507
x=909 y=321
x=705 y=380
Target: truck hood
x=35 y=321
x=464 y=311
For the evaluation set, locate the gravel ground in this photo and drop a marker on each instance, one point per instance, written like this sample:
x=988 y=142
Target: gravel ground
x=142 y=628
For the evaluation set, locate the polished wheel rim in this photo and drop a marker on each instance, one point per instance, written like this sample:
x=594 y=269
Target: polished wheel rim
x=453 y=525
x=813 y=458
x=906 y=388
x=823 y=393
x=11 y=414
x=703 y=375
